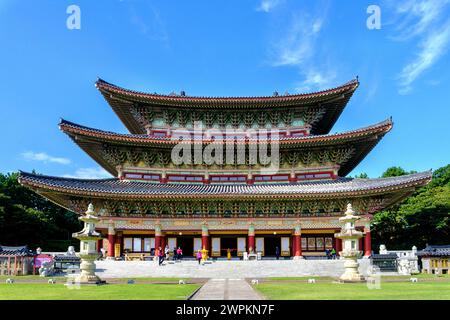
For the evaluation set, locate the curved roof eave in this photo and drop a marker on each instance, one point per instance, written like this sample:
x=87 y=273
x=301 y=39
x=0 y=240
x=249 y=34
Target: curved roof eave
x=123 y=189
x=178 y=100
x=72 y=128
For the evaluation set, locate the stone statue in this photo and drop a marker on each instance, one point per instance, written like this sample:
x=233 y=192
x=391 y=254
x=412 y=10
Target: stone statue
x=38 y=250
x=383 y=249
x=70 y=251
x=46 y=269
x=404 y=267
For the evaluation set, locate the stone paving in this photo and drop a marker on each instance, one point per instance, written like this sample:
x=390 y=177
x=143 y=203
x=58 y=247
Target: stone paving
x=226 y=289
x=224 y=269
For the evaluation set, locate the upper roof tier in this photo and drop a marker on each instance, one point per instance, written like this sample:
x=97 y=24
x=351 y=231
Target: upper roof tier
x=320 y=110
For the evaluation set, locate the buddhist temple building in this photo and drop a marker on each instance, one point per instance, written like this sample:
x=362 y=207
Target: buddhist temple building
x=153 y=200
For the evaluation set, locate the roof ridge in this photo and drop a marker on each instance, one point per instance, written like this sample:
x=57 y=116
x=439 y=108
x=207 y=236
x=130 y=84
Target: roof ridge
x=354 y=82
x=24 y=174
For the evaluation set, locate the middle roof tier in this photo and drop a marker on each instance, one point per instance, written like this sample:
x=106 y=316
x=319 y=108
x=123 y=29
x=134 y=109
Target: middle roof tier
x=119 y=154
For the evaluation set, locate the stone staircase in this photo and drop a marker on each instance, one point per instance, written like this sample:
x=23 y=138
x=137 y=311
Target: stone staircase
x=225 y=269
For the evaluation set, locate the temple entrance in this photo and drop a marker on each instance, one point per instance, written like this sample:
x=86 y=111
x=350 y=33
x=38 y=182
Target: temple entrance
x=186 y=243
x=228 y=243
x=270 y=243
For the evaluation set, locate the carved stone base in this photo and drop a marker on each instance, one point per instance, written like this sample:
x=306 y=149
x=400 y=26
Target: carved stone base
x=83 y=280
x=362 y=279
x=298 y=258
x=351 y=273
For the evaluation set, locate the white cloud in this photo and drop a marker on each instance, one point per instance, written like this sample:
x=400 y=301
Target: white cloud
x=149 y=22
x=427 y=22
x=298 y=48
x=315 y=79
x=298 y=44
x=431 y=49
x=417 y=16
x=268 y=5
x=44 y=157
x=89 y=173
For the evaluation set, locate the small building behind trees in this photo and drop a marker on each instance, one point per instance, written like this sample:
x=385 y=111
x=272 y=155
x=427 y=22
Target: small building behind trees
x=15 y=261
x=435 y=259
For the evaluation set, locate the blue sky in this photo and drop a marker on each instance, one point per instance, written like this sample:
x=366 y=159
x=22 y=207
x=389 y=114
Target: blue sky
x=233 y=47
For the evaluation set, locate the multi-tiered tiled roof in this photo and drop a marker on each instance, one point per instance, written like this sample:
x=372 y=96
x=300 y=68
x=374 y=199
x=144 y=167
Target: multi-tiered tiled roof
x=315 y=155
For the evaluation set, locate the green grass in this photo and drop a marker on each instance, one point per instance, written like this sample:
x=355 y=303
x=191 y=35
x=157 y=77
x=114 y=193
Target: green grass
x=385 y=278
x=30 y=278
x=430 y=290
x=37 y=278
x=44 y=291
x=299 y=278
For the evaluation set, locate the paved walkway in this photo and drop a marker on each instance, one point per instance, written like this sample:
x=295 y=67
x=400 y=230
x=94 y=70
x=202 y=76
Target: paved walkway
x=226 y=289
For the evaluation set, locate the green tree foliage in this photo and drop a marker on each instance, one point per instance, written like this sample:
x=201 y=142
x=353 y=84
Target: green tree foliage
x=422 y=218
x=29 y=219
x=395 y=172
x=362 y=175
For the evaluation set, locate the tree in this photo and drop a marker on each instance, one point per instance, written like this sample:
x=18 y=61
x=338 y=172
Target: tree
x=422 y=218
x=395 y=172
x=27 y=218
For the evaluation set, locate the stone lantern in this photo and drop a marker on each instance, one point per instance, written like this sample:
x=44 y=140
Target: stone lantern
x=88 y=248
x=350 y=246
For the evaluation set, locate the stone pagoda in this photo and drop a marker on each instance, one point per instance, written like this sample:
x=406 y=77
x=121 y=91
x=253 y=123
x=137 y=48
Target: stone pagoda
x=350 y=243
x=88 y=248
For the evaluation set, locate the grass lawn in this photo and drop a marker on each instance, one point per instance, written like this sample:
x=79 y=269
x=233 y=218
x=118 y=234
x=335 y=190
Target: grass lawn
x=420 y=276
x=422 y=290
x=44 y=291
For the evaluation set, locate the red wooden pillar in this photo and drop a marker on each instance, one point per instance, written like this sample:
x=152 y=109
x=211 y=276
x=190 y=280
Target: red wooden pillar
x=251 y=239
x=298 y=246
x=293 y=248
x=297 y=242
x=111 y=241
x=157 y=242
x=367 y=242
x=205 y=237
x=360 y=244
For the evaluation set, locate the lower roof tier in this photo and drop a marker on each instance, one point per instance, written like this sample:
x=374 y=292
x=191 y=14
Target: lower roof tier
x=67 y=191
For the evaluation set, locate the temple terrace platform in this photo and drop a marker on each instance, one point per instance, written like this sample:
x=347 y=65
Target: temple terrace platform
x=225 y=269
